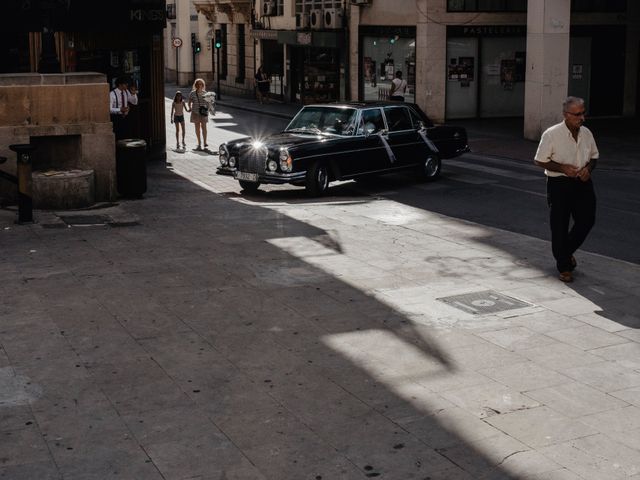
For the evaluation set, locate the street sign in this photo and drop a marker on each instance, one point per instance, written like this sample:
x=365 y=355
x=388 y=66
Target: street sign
x=177 y=42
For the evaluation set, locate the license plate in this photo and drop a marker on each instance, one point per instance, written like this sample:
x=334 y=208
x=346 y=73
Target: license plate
x=249 y=177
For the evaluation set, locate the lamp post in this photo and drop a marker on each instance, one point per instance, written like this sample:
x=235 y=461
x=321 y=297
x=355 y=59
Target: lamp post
x=49 y=9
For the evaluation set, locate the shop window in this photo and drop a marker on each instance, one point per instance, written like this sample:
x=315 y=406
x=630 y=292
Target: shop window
x=383 y=56
x=241 y=52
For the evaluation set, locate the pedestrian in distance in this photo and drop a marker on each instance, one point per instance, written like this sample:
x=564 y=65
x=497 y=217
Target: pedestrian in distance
x=177 y=116
x=262 y=85
x=119 y=100
x=398 y=88
x=199 y=109
x=568 y=153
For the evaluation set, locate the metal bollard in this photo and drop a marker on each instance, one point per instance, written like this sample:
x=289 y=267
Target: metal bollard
x=25 y=200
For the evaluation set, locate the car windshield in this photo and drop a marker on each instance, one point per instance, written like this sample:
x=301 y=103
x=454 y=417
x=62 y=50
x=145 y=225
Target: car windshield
x=324 y=120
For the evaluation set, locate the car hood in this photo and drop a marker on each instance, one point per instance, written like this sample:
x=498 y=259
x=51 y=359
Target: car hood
x=283 y=139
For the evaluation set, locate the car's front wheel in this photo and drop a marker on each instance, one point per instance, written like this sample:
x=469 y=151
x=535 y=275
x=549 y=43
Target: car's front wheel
x=249 y=187
x=317 y=180
x=430 y=167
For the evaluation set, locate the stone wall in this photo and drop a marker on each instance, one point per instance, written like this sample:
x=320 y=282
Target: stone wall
x=67 y=117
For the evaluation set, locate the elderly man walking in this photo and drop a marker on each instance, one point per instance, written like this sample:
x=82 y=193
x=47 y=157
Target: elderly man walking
x=568 y=153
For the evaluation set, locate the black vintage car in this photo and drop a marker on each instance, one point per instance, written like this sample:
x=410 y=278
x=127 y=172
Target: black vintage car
x=343 y=141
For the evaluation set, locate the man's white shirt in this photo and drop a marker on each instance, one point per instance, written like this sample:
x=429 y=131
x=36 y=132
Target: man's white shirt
x=116 y=98
x=557 y=144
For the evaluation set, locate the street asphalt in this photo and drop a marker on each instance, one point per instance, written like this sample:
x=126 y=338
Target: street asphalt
x=199 y=333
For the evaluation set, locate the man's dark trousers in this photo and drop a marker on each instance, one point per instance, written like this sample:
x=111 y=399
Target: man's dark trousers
x=569 y=198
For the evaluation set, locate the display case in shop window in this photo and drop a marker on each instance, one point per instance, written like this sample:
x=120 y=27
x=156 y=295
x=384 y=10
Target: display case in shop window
x=321 y=84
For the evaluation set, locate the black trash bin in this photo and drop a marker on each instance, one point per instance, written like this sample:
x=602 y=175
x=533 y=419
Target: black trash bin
x=131 y=167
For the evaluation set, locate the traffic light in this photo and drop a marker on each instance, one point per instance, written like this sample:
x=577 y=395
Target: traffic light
x=218 y=39
x=193 y=41
x=198 y=47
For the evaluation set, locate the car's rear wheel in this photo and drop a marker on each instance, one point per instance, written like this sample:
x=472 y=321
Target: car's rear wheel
x=317 y=180
x=430 y=167
x=249 y=187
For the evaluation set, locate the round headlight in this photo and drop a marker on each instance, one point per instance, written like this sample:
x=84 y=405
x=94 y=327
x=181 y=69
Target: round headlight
x=232 y=162
x=223 y=161
x=284 y=153
x=272 y=165
x=223 y=152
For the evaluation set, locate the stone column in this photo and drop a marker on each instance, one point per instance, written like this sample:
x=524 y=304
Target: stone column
x=183 y=30
x=431 y=60
x=547 y=77
x=354 y=53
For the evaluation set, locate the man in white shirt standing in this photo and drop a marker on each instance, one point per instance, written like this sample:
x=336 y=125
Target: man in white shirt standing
x=119 y=99
x=568 y=153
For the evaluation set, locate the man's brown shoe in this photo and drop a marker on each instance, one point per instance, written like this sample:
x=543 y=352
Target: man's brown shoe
x=566 y=277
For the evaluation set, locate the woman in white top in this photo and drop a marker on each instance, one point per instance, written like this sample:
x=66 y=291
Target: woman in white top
x=199 y=111
x=398 y=88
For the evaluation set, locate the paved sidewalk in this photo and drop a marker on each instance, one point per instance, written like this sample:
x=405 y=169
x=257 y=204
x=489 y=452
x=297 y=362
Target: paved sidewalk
x=202 y=334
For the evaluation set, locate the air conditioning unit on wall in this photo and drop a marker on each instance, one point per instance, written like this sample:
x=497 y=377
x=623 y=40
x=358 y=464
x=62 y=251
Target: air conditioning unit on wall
x=302 y=20
x=269 y=8
x=316 y=19
x=333 y=18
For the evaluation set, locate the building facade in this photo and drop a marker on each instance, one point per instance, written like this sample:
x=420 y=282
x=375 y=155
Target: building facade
x=499 y=58
x=116 y=38
x=460 y=58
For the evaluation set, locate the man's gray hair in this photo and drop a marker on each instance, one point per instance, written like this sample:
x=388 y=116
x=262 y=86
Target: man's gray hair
x=571 y=101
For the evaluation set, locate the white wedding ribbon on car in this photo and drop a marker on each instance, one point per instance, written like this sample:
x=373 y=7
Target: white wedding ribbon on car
x=423 y=134
x=427 y=140
x=387 y=147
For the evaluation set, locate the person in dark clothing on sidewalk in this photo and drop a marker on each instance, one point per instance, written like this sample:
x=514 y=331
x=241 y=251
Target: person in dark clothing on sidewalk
x=568 y=153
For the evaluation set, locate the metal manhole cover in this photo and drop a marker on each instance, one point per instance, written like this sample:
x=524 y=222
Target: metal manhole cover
x=480 y=303
x=85 y=220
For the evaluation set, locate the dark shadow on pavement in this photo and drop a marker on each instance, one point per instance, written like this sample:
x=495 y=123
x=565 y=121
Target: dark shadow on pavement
x=194 y=345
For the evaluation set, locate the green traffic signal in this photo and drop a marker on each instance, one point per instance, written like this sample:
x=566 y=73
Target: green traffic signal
x=198 y=47
x=218 y=39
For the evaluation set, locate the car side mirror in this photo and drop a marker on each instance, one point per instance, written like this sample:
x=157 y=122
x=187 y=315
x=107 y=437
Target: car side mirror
x=421 y=125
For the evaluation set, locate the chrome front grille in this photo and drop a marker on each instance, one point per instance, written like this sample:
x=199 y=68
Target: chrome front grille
x=253 y=160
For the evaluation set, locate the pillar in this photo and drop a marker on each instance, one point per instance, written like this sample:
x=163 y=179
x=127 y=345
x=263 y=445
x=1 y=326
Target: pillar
x=547 y=77
x=431 y=59
x=354 y=52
